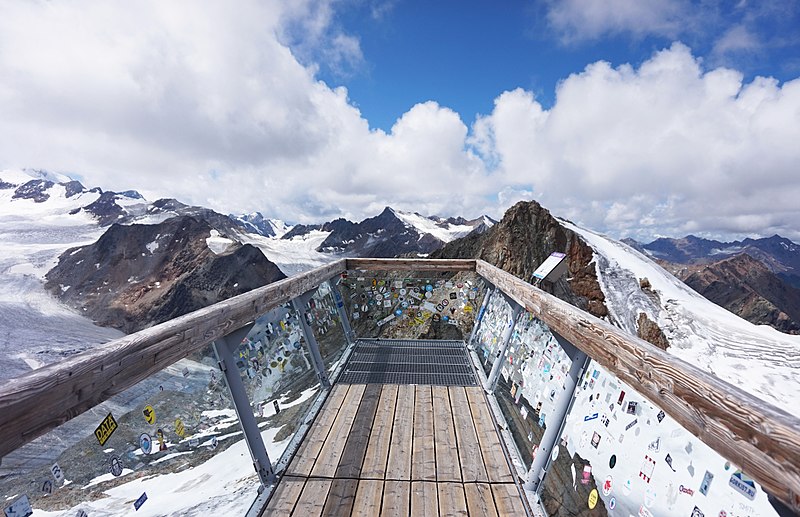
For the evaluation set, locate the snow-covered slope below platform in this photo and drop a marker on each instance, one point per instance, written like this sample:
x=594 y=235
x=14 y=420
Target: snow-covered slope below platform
x=756 y=358
x=294 y=255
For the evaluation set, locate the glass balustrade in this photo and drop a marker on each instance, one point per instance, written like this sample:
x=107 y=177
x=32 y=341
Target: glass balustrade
x=621 y=455
x=407 y=305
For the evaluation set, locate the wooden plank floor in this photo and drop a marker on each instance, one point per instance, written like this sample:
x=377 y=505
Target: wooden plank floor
x=399 y=450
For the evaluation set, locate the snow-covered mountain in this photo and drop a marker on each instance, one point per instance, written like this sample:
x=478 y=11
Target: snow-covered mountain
x=255 y=222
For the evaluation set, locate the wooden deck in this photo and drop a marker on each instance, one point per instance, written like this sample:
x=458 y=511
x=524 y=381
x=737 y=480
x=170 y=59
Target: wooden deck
x=399 y=450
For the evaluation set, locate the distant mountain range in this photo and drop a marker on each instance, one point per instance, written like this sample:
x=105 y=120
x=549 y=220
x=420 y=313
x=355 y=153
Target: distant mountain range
x=758 y=279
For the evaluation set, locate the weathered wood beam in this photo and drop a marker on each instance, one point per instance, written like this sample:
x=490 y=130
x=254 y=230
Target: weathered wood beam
x=402 y=264
x=32 y=404
x=761 y=439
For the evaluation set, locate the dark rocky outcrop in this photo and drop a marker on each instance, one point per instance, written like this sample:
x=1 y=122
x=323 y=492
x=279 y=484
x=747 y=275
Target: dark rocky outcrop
x=649 y=330
x=35 y=190
x=139 y=275
x=525 y=236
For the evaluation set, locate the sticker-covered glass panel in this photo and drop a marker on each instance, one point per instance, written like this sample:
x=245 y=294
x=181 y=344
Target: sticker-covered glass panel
x=170 y=445
x=621 y=455
x=323 y=317
x=404 y=305
x=488 y=338
x=531 y=381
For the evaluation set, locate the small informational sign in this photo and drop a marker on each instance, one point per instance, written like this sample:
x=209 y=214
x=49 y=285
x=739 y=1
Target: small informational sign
x=81 y=513
x=19 y=508
x=58 y=474
x=105 y=429
x=593 y=499
x=552 y=268
x=180 y=430
x=139 y=502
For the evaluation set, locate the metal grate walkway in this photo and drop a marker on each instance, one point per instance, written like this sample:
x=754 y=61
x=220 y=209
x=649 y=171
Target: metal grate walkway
x=404 y=361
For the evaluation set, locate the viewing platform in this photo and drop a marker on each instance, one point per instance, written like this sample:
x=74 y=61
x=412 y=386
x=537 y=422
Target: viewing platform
x=391 y=387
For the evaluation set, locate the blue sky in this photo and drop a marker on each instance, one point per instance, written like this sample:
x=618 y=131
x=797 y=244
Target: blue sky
x=638 y=118
x=463 y=54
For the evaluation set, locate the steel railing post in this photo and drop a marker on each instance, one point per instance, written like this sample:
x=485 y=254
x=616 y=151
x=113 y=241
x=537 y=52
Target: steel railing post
x=558 y=417
x=300 y=303
x=489 y=293
x=491 y=381
x=223 y=349
x=337 y=298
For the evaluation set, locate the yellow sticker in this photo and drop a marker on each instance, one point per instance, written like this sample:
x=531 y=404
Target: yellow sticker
x=149 y=414
x=593 y=499
x=179 y=429
x=105 y=429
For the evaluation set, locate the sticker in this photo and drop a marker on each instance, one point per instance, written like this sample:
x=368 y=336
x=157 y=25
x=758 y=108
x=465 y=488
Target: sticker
x=146 y=443
x=162 y=446
x=587 y=474
x=524 y=412
x=593 y=499
x=588 y=417
x=668 y=460
x=697 y=513
x=644 y=512
x=646 y=470
x=20 y=508
x=706 y=484
x=139 y=502
x=555 y=453
x=743 y=484
x=627 y=487
x=185 y=371
x=58 y=474
x=116 y=466
x=621 y=398
x=612 y=503
x=105 y=429
x=660 y=416
x=47 y=486
x=149 y=414
x=685 y=490
x=632 y=406
x=635 y=421
x=595 y=440
x=612 y=461
x=81 y=513
x=607 y=486
x=213 y=444
x=655 y=445
x=649 y=497
x=179 y=429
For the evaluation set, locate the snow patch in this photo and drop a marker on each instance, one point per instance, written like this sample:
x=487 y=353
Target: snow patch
x=218 y=244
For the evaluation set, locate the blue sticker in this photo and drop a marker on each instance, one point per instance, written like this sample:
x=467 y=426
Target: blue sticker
x=589 y=417
x=139 y=502
x=429 y=288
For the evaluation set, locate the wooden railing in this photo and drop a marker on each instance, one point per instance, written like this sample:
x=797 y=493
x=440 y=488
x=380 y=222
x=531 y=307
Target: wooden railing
x=762 y=439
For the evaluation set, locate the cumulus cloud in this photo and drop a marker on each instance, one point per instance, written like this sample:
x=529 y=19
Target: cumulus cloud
x=215 y=107
x=666 y=148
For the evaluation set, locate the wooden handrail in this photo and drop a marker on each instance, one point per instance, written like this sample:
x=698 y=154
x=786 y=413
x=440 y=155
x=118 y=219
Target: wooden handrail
x=401 y=264
x=34 y=403
x=761 y=439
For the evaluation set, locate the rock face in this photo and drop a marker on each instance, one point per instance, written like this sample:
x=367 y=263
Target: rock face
x=139 y=275
x=649 y=330
x=35 y=190
x=744 y=286
x=522 y=240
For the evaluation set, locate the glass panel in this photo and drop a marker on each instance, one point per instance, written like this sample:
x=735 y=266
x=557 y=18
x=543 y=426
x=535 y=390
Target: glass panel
x=327 y=326
x=174 y=437
x=490 y=333
x=406 y=305
x=278 y=375
x=621 y=453
x=531 y=381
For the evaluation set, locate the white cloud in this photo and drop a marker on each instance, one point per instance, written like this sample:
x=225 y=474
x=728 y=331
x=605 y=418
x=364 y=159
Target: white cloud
x=667 y=148
x=209 y=106
x=578 y=20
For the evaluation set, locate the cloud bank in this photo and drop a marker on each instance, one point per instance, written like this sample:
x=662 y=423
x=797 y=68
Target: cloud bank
x=223 y=107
